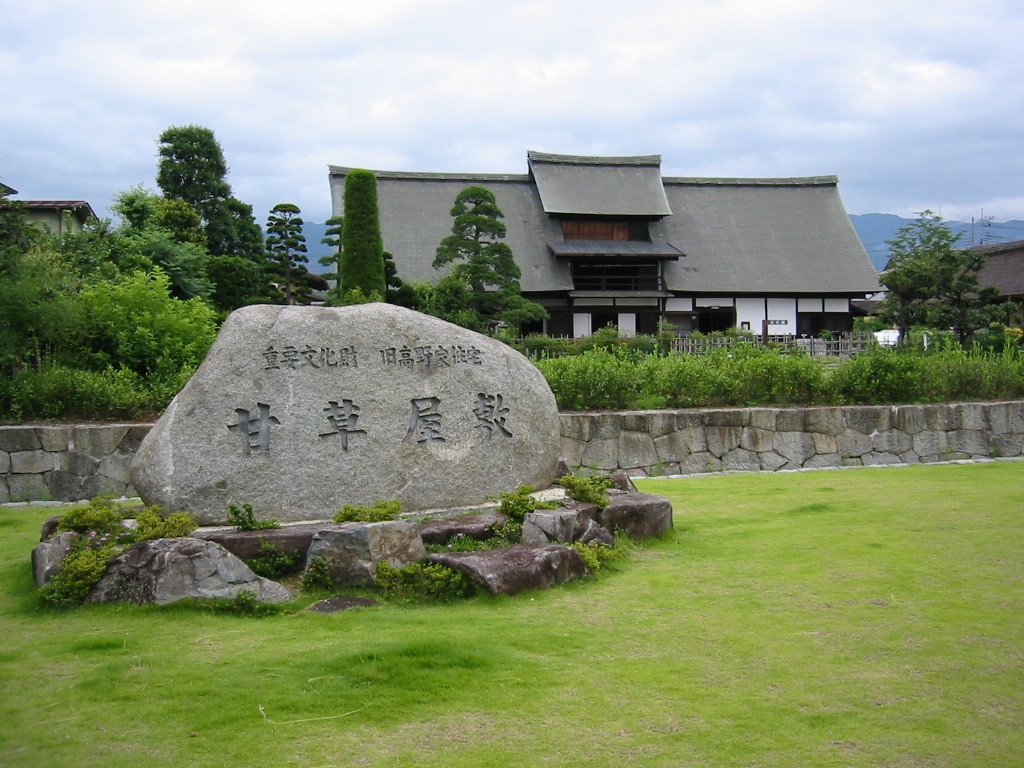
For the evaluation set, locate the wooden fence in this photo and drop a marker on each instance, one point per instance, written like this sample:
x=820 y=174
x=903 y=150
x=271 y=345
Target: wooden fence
x=842 y=346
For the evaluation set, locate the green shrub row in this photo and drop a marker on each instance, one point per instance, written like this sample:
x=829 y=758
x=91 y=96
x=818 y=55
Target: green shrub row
x=60 y=392
x=747 y=375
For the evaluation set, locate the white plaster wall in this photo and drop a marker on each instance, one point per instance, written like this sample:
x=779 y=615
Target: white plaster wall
x=782 y=309
x=750 y=310
x=581 y=324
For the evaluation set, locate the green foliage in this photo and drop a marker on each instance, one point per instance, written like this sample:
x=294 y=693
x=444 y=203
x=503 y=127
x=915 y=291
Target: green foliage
x=422 y=583
x=929 y=281
x=99 y=515
x=245 y=603
x=151 y=524
x=231 y=230
x=592 y=490
x=136 y=324
x=237 y=282
x=317 y=577
x=592 y=380
x=452 y=300
x=362 y=257
x=101 y=534
x=595 y=555
x=516 y=504
x=399 y=292
x=79 y=573
x=378 y=512
x=357 y=296
x=244 y=519
x=335 y=231
x=750 y=375
x=272 y=563
x=192 y=166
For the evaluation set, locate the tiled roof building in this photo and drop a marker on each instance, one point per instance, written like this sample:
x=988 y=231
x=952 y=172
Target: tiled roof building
x=609 y=239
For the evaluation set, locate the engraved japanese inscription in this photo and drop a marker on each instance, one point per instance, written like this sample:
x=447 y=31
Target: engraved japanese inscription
x=300 y=410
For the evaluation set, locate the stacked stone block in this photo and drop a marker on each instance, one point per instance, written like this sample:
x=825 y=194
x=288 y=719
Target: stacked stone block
x=771 y=439
x=67 y=463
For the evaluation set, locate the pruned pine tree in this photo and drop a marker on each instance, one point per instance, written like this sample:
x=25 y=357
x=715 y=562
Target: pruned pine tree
x=335 y=231
x=286 y=249
x=483 y=262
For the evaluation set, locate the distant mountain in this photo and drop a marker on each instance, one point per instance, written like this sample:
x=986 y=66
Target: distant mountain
x=315 y=232
x=875 y=229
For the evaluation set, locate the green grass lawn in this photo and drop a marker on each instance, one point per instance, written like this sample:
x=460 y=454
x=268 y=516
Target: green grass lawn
x=869 y=617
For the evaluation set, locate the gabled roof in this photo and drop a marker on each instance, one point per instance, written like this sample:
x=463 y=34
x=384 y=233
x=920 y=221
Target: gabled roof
x=783 y=235
x=80 y=207
x=603 y=186
x=739 y=236
x=1005 y=267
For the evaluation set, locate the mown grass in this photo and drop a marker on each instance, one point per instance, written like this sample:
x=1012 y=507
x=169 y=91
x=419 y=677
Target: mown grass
x=846 y=618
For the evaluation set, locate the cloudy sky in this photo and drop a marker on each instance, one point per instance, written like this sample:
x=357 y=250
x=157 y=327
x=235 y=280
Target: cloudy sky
x=914 y=104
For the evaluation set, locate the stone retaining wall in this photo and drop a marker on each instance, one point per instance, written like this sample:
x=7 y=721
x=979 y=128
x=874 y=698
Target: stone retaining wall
x=67 y=463
x=769 y=439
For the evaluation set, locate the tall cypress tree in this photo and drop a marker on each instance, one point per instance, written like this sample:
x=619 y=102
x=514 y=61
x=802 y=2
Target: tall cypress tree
x=362 y=257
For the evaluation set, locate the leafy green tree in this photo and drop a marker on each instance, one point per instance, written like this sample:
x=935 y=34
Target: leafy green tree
x=137 y=324
x=16 y=231
x=449 y=299
x=929 y=281
x=362 y=257
x=231 y=230
x=286 y=248
x=167 y=234
x=192 y=168
x=483 y=261
x=238 y=282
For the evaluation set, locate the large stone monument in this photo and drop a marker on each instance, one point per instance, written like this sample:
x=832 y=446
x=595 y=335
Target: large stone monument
x=301 y=410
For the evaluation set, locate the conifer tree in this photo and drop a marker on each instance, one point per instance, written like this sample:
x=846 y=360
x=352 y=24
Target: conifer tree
x=362 y=258
x=286 y=247
x=483 y=262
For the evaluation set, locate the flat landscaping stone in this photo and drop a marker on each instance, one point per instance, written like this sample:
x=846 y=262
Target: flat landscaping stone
x=511 y=570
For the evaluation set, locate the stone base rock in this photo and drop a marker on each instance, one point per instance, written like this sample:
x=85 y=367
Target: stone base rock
x=302 y=410
x=511 y=570
x=48 y=557
x=439 y=530
x=550 y=525
x=167 y=570
x=290 y=539
x=639 y=515
x=590 y=532
x=353 y=550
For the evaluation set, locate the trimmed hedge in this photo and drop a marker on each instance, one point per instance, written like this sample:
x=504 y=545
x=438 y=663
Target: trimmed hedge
x=747 y=375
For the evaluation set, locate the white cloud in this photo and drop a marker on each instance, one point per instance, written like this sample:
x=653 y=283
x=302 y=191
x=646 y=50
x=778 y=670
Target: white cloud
x=914 y=104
